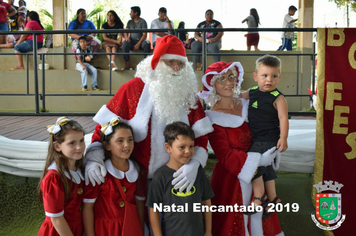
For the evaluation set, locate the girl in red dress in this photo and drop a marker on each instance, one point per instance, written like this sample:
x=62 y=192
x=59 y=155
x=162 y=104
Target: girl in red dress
x=104 y=206
x=61 y=184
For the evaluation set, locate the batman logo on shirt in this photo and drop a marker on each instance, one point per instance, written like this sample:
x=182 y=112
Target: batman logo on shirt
x=184 y=193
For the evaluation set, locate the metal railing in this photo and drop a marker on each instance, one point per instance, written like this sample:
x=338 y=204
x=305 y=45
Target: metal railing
x=204 y=54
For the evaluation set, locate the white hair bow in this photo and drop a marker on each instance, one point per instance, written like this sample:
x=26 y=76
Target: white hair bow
x=107 y=128
x=55 y=128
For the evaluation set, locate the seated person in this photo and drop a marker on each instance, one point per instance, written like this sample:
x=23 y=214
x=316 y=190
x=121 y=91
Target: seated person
x=162 y=22
x=213 y=39
x=182 y=35
x=110 y=41
x=84 y=67
x=81 y=23
x=136 y=40
x=25 y=43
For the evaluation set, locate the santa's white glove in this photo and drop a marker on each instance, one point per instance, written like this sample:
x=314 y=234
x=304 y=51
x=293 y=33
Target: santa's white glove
x=275 y=163
x=95 y=170
x=186 y=175
x=268 y=156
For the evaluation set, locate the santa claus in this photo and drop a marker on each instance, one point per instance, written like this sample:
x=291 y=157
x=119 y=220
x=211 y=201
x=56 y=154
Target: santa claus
x=163 y=91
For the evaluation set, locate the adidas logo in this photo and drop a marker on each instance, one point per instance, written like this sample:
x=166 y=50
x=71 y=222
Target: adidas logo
x=254 y=105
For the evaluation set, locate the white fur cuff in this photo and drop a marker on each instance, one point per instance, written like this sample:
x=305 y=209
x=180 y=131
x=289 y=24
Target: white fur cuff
x=200 y=155
x=104 y=115
x=250 y=166
x=202 y=127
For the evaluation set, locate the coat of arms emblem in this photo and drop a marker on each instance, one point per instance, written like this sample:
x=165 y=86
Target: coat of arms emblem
x=328 y=205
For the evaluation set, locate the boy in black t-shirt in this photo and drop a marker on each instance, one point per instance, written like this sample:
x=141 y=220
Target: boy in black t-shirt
x=181 y=211
x=268 y=122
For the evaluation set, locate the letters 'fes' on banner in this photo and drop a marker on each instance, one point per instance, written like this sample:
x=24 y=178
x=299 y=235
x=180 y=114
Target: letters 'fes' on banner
x=335 y=152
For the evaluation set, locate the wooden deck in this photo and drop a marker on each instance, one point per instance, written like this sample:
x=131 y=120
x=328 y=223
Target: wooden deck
x=34 y=127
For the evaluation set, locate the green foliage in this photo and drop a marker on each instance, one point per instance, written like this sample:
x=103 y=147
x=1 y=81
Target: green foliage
x=350 y=3
x=46 y=13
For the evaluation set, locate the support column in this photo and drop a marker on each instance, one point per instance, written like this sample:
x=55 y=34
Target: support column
x=59 y=21
x=305 y=20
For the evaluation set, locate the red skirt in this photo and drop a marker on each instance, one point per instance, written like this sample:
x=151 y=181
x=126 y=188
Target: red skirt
x=253 y=39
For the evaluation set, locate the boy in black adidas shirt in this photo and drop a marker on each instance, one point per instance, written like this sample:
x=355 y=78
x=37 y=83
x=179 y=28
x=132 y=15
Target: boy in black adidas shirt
x=268 y=121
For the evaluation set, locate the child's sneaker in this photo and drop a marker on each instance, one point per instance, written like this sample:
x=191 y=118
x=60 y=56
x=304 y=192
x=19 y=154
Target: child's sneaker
x=84 y=88
x=95 y=88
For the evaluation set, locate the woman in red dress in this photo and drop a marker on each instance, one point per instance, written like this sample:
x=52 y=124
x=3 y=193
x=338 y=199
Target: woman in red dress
x=61 y=189
x=231 y=140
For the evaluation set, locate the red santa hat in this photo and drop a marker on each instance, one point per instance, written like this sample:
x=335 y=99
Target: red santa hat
x=168 y=47
x=216 y=69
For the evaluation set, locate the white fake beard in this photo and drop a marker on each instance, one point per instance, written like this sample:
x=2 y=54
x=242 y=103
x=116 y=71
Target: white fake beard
x=171 y=91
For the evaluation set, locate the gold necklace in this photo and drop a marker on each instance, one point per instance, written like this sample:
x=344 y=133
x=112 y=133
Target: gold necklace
x=227 y=108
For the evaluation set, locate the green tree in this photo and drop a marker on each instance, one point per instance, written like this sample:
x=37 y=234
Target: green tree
x=349 y=4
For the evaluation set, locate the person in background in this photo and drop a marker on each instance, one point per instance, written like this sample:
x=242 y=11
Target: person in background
x=288 y=36
x=25 y=43
x=162 y=22
x=84 y=56
x=252 y=37
x=182 y=35
x=136 y=40
x=4 y=9
x=21 y=14
x=12 y=20
x=81 y=23
x=61 y=184
x=213 y=39
x=111 y=43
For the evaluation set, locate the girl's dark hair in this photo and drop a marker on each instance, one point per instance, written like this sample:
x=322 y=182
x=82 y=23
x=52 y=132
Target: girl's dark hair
x=34 y=16
x=117 y=19
x=181 y=25
x=78 y=24
x=107 y=138
x=255 y=15
x=58 y=157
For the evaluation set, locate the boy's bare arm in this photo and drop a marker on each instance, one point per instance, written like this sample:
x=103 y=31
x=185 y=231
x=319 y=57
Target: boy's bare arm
x=245 y=94
x=81 y=62
x=282 y=108
x=155 y=224
x=207 y=219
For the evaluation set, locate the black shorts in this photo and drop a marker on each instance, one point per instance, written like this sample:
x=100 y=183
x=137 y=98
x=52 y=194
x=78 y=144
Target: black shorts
x=267 y=172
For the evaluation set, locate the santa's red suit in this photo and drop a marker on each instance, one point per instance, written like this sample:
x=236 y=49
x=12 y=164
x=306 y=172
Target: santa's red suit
x=132 y=103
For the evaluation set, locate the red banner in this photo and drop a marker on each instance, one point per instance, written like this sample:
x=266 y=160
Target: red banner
x=335 y=154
